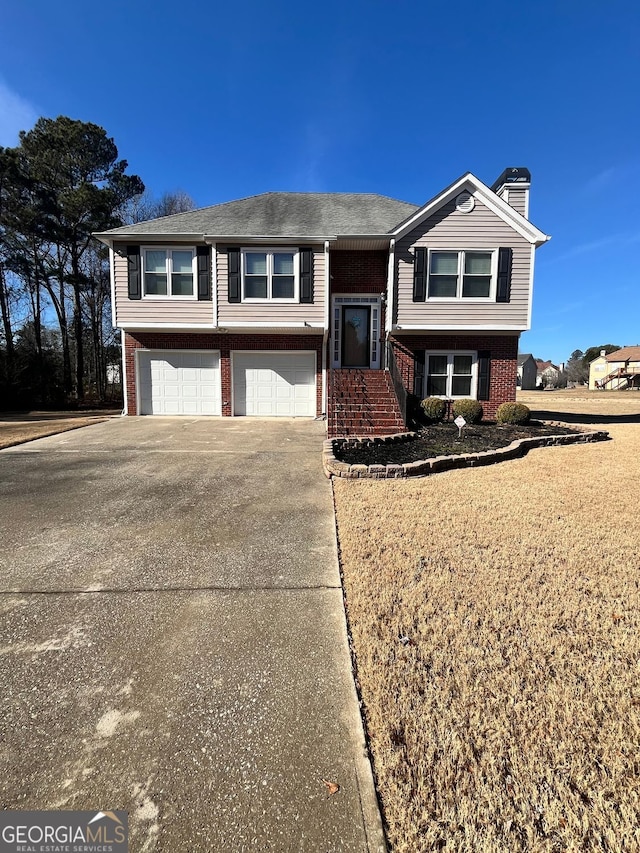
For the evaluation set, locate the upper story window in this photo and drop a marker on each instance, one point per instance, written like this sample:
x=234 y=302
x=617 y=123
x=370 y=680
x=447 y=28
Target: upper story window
x=270 y=275
x=168 y=272
x=461 y=275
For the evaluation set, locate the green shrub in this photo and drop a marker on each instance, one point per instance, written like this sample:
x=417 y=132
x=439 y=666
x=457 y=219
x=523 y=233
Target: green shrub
x=513 y=413
x=434 y=409
x=471 y=410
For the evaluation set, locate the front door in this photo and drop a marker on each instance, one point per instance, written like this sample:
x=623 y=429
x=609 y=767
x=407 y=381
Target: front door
x=356 y=343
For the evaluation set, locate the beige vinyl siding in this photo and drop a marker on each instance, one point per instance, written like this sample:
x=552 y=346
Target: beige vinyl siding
x=161 y=311
x=517 y=198
x=285 y=313
x=450 y=229
x=598 y=370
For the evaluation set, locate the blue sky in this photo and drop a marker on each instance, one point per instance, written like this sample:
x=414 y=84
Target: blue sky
x=395 y=97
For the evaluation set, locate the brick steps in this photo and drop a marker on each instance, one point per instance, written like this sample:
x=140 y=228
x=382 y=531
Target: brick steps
x=362 y=402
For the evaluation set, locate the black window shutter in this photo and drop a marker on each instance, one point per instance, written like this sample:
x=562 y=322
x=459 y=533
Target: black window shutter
x=418 y=374
x=419 y=275
x=204 y=272
x=306 y=275
x=505 y=262
x=484 y=368
x=134 y=276
x=234 y=274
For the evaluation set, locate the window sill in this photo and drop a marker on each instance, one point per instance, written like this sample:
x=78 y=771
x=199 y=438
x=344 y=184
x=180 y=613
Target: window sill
x=454 y=299
x=250 y=301
x=151 y=298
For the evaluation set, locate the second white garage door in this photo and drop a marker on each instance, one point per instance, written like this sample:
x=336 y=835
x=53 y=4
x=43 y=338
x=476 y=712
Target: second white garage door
x=179 y=382
x=274 y=384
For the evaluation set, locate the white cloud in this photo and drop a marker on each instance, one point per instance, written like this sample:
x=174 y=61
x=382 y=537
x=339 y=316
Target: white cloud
x=16 y=114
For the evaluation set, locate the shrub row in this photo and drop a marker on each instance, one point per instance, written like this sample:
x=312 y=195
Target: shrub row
x=434 y=409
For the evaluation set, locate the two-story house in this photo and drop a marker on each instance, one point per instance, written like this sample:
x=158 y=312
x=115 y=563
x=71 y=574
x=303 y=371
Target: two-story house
x=615 y=371
x=326 y=304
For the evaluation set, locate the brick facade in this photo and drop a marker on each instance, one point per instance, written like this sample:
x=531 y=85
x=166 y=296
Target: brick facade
x=504 y=361
x=226 y=343
x=358 y=272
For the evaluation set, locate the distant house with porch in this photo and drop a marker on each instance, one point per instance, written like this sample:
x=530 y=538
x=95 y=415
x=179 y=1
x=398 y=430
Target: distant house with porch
x=616 y=371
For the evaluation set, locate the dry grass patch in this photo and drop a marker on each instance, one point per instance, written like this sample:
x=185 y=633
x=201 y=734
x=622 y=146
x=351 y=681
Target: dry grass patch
x=15 y=431
x=495 y=620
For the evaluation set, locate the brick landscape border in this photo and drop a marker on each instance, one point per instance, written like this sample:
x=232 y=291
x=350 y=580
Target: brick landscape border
x=333 y=467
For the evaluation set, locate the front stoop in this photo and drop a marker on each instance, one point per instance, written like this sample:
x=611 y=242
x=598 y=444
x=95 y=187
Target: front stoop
x=362 y=402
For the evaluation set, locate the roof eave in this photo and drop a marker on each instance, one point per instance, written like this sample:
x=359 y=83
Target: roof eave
x=268 y=238
x=109 y=237
x=385 y=236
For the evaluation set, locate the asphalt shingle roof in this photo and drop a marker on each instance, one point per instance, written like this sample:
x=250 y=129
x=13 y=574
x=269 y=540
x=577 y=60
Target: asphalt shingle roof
x=625 y=354
x=284 y=214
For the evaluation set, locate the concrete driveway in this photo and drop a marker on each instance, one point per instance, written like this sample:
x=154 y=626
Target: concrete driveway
x=172 y=637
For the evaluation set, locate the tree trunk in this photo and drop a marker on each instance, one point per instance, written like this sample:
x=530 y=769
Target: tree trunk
x=6 y=325
x=77 y=325
x=36 y=307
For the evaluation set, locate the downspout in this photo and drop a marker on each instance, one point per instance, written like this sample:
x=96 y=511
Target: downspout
x=125 y=410
x=325 y=334
x=114 y=325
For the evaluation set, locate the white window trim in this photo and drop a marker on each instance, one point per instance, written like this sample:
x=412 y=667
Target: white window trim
x=269 y=252
x=167 y=296
x=450 y=355
x=459 y=297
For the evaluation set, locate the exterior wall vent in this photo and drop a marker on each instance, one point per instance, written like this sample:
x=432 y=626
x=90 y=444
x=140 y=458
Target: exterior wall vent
x=465 y=202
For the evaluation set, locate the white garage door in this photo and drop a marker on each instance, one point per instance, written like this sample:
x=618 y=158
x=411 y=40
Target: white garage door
x=274 y=384
x=179 y=382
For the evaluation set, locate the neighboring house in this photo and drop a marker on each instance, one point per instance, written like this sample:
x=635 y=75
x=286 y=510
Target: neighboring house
x=527 y=371
x=619 y=370
x=547 y=374
x=310 y=304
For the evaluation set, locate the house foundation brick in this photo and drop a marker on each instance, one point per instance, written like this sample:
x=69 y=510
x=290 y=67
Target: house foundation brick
x=503 y=351
x=226 y=344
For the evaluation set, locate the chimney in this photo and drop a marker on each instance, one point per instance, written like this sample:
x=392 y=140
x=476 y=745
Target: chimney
x=513 y=187
x=603 y=353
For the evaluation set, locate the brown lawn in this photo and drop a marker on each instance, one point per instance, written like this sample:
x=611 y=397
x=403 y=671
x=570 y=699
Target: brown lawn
x=495 y=615
x=21 y=427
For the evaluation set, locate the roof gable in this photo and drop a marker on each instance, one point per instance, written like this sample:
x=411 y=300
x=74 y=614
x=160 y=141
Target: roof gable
x=479 y=190
x=546 y=365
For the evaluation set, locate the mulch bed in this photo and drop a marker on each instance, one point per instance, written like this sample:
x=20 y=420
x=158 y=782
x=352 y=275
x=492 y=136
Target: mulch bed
x=442 y=440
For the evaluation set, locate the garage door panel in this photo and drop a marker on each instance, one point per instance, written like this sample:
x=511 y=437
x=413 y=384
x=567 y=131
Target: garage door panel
x=179 y=383
x=274 y=384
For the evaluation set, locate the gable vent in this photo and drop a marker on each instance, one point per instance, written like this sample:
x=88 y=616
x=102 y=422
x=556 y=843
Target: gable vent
x=465 y=202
